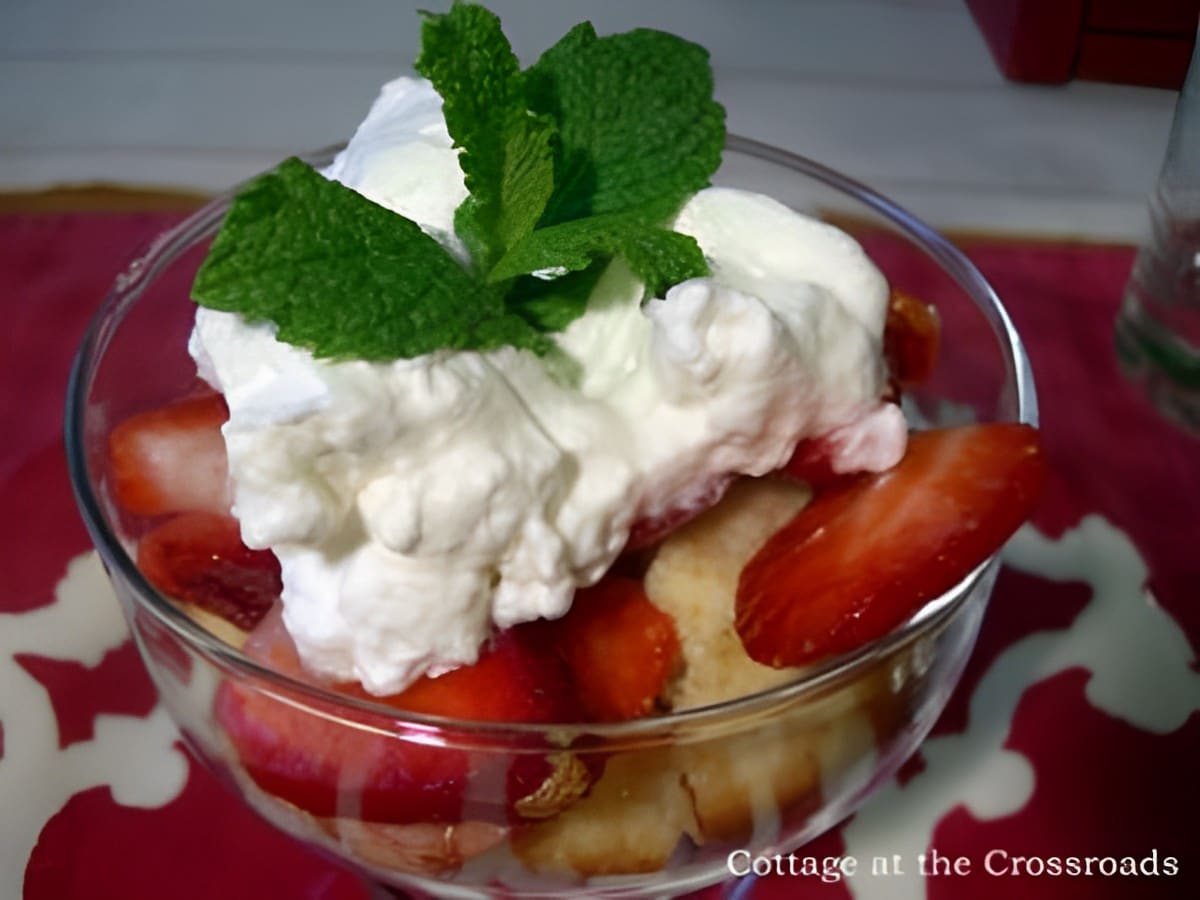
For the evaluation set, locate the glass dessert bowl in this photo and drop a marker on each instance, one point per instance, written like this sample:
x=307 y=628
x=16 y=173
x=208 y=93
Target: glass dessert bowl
x=654 y=805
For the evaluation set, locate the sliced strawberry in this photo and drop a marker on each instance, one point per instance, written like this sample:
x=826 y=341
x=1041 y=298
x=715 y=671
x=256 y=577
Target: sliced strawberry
x=911 y=337
x=199 y=558
x=346 y=763
x=514 y=680
x=620 y=648
x=171 y=459
x=864 y=556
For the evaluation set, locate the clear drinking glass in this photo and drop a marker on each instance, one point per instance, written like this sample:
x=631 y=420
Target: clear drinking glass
x=1158 y=326
x=670 y=796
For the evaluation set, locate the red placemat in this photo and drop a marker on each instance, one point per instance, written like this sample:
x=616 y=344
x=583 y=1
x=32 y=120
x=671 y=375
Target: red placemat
x=1074 y=734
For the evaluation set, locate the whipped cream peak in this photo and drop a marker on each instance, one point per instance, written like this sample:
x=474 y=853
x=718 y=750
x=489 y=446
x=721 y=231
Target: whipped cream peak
x=401 y=157
x=416 y=505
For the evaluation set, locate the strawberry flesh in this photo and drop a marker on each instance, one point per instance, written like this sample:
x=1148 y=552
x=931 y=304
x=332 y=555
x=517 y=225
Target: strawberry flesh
x=199 y=558
x=340 y=763
x=171 y=459
x=865 y=555
x=621 y=648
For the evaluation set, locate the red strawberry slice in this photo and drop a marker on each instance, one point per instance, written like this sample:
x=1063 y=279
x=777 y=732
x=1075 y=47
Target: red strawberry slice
x=199 y=558
x=172 y=459
x=620 y=648
x=345 y=762
x=861 y=558
x=911 y=338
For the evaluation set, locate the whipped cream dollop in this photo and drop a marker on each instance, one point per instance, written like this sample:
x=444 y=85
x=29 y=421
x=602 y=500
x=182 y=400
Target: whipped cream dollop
x=415 y=505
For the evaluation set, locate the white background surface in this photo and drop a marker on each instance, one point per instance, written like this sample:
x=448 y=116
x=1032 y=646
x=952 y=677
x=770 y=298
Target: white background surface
x=901 y=94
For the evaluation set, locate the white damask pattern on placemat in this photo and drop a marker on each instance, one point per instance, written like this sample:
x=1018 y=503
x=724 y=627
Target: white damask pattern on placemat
x=136 y=758
x=1140 y=662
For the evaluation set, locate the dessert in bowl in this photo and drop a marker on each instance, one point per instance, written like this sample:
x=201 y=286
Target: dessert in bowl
x=656 y=701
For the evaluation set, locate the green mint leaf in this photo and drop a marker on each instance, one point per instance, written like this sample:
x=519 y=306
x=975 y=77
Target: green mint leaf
x=636 y=120
x=507 y=153
x=346 y=278
x=660 y=258
x=570 y=245
x=551 y=304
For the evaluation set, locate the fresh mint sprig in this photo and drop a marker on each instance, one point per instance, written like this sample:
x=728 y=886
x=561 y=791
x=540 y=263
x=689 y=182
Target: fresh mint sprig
x=638 y=128
x=576 y=161
x=507 y=154
x=347 y=278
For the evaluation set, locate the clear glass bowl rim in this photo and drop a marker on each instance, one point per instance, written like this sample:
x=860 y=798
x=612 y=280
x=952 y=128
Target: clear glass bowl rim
x=930 y=619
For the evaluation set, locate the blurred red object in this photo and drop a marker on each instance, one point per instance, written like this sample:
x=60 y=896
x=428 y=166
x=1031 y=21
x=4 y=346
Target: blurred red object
x=1052 y=41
